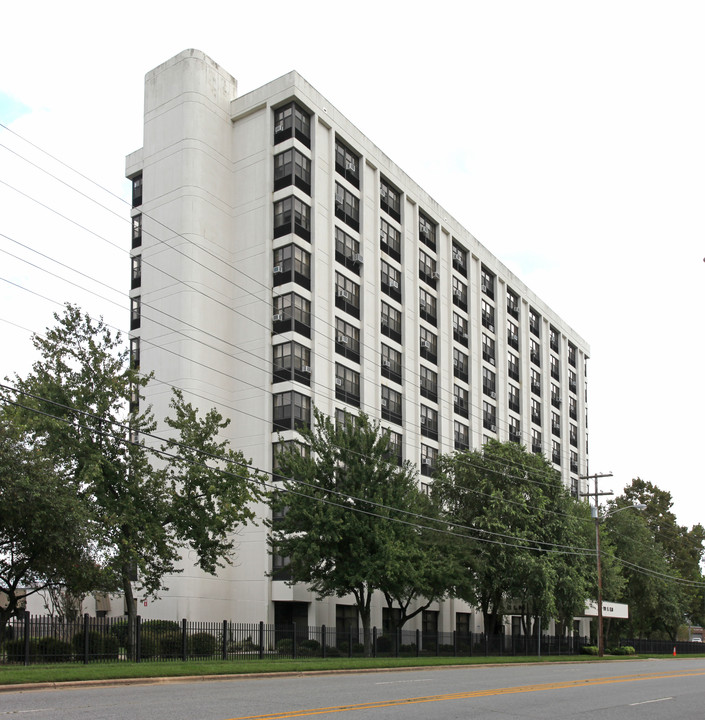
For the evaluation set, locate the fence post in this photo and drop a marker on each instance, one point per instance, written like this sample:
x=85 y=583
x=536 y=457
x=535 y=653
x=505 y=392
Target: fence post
x=183 y=640
x=418 y=642
x=397 y=638
x=455 y=643
x=323 y=641
x=138 y=638
x=261 y=639
x=485 y=638
x=26 y=637
x=293 y=642
x=86 y=648
x=224 y=648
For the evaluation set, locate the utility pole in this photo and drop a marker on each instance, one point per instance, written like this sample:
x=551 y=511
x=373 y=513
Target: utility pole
x=596 y=514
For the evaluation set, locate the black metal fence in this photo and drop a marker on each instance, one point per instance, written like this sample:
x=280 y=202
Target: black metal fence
x=665 y=647
x=37 y=639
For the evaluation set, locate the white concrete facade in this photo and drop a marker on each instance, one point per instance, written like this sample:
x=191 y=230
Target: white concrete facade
x=209 y=233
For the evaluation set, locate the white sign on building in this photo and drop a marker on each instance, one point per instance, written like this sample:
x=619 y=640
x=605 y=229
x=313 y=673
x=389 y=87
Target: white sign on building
x=609 y=609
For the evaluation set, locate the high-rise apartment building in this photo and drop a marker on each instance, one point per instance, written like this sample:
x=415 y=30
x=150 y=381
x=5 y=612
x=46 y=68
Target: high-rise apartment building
x=281 y=261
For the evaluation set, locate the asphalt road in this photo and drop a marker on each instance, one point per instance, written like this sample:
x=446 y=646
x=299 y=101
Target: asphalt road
x=649 y=689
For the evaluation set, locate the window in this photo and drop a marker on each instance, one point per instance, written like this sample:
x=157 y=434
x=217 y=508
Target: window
x=291 y=410
x=555 y=395
x=427 y=231
x=488 y=349
x=513 y=398
x=391 y=280
x=292 y=215
x=535 y=411
x=390 y=200
x=535 y=382
x=513 y=367
x=572 y=381
x=514 y=430
x=391 y=405
x=556 y=424
x=291 y=312
x=554 y=339
x=347 y=385
x=347 y=295
x=555 y=367
x=460 y=293
x=461 y=401
x=390 y=240
x=391 y=322
x=572 y=352
x=488 y=315
x=460 y=260
x=347 y=163
x=429 y=624
x=489 y=416
x=487 y=282
x=534 y=322
x=489 y=382
x=136 y=231
x=134 y=398
x=291 y=361
x=460 y=329
x=135 y=353
x=292 y=264
x=429 y=422
x=135 y=312
x=137 y=190
x=428 y=383
x=347 y=207
x=391 y=363
x=347 y=340
x=292 y=121
x=574 y=464
x=573 y=408
x=395 y=447
x=136 y=271
x=292 y=168
x=535 y=350
x=512 y=303
x=556 y=452
x=427 y=306
x=429 y=345
x=573 y=435
x=512 y=334
x=460 y=364
x=429 y=458
x=536 y=444
x=427 y=268
x=461 y=436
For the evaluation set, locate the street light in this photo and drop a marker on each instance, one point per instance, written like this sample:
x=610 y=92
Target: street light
x=595 y=510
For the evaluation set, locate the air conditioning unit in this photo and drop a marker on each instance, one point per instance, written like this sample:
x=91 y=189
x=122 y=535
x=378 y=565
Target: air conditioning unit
x=307 y=369
x=279 y=127
x=384 y=402
x=386 y=363
x=425 y=344
x=350 y=165
x=436 y=275
x=491 y=361
x=277 y=269
x=357 y=258
x=385 y=320
x=343 y=339
x=493 y=428
x=339 y=381
x=485 y=288
x=278 y=317
x=423 y=420
x=426 y=461
x=490 y=327
x=455 y=362
x=393 y=284
x=422 y=304
x=493 y=394
x=457 y=292
x=343 y=294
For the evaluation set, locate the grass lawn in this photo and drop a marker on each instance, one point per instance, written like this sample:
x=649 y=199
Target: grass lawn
x=14 y=674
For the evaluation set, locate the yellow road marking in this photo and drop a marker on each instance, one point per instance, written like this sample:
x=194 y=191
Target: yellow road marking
x=471 y=694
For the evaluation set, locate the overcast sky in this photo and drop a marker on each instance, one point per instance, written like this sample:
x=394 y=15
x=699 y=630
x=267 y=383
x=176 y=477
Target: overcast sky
x=568 y=137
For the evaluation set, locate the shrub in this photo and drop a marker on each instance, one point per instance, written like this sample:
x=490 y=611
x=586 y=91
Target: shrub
x=99 y=645
x=332 y=651
x=149 y=647
x=46 y=649
x=384 y=644
x=589 y=650
x=203 y=644
x=624 y=650
x=15 y=650
x=170 y=644
x=285 y=646
x=358 y=649
x=629 y=650
x=160 y=627
x=119 y=630
x=308 y=648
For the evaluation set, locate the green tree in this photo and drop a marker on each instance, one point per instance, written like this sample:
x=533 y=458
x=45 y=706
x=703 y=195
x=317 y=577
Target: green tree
x=524 y=528
x=341 y=518
x=46 y=537
x=78 y=406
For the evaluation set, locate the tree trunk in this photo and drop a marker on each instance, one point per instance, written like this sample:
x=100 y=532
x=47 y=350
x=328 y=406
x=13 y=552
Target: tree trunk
x=131 y=647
